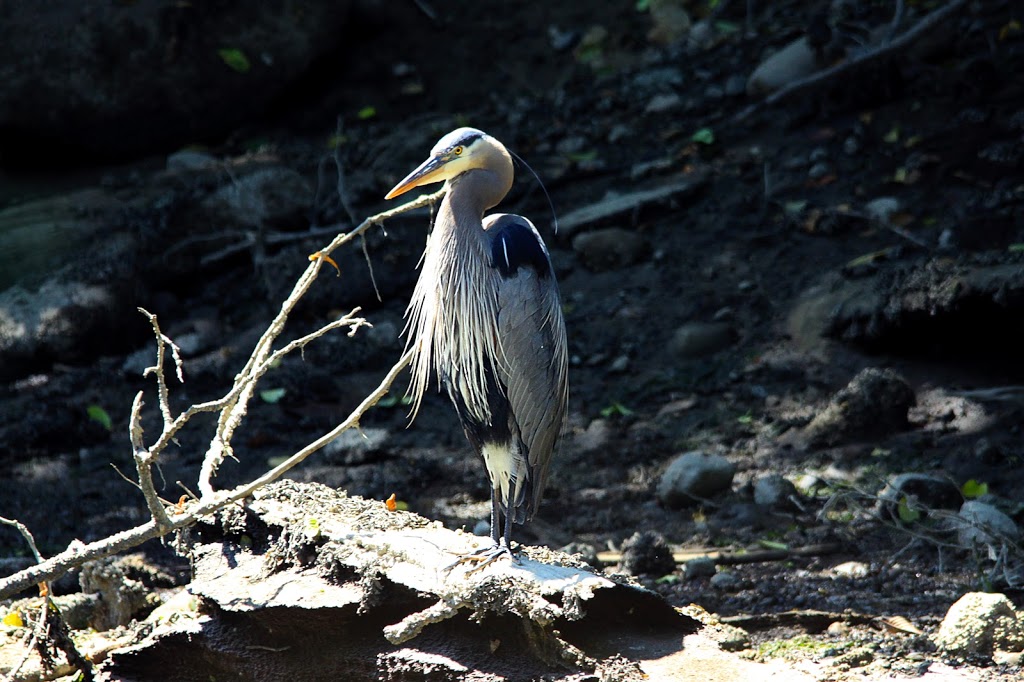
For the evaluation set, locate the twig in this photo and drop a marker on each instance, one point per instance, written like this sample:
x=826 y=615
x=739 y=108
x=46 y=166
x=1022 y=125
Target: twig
x=235 y=407
x=735 y=558
x=25 y=533
x=902 y=42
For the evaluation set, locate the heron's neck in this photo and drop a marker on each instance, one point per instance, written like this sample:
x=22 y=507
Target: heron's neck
x=475 y=191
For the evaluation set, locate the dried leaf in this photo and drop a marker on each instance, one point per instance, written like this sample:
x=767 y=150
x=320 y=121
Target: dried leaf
x=14 y=620
x=327 y=259
x=900 y=624
x=390 y=503
x=272 y=395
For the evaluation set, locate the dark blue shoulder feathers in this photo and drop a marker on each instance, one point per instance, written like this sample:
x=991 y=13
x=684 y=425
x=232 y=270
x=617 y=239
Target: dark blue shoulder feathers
x=515 y=243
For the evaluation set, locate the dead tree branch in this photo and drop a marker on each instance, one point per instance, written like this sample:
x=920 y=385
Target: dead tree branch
x=888 y=49
x=232 y=407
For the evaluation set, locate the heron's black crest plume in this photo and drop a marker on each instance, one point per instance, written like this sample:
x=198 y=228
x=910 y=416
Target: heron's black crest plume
x=554 y=215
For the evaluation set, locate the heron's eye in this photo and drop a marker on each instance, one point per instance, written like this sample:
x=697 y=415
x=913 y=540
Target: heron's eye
x=457 y=151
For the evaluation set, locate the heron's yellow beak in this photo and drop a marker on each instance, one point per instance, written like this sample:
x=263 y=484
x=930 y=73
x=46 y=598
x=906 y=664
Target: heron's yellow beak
x=431 y=170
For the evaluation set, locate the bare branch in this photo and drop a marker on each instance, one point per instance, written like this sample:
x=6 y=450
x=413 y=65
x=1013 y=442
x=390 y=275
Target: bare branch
x=25 y=533
x=79 y=553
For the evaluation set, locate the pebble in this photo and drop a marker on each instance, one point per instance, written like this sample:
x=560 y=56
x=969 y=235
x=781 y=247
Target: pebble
x=851 y=145
x=819 y=170
x=735 y=85
x=701 y=567
x=619 y=364
x=725 y=581
x=874 y=403
x=594 y=437
x=695 y=339
x=882 y=209
x=662 y=103
x=979 y=623
x=774 y=491
x=609 y=248
x=980 y=523
x=190 y=159
x=792 y=62
x=850 y=569
x=701 y=36
x=694 y=476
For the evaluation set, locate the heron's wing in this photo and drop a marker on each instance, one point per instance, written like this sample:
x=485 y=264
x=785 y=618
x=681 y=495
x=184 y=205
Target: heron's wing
x=533 y=360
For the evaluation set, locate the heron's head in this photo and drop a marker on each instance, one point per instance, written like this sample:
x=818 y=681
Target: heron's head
x=461 y=150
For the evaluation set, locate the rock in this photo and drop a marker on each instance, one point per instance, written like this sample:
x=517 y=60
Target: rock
x=735 y=85
x=189 y=160
x=882 y=209
x=980 y=623
x=609 y=248
x=701 y=567
x=979 y=523
x=134 y=78
x=694 y=476
x=662 y=103
x=725 y=582
x=647 y=553
x=851 y=569
x=793 y=62
x=274 y=196
x=671 y=22
x=873 y=404
x=923 y=492
x=584 y=551
x=122 y=597
x=696 y=339
x=774 y=491
x=700 y=37
x=63 y=319
x=818 y=171
x=615 y=204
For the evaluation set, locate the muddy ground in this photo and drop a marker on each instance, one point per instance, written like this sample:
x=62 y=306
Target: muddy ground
x=781 y=257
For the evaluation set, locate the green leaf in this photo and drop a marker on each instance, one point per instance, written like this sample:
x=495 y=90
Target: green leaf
x=907 y=513
x=747 y=418
x=1015 y=248
x=670 y=579
x=703 y=136
x=616 y=409
x=583 y=156
x=893 y=136
x=235 y=59
x=366 y=113
x=272 y=395
x=643 y=5
x=972 y=489
x=723 y=26
x=795 y=206
x=100 y=416
x=773 y=544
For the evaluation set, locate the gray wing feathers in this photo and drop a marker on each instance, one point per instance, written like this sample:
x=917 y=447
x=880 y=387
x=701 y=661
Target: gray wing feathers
x=533 y=367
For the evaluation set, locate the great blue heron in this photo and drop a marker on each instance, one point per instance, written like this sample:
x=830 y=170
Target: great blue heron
x=485 y=317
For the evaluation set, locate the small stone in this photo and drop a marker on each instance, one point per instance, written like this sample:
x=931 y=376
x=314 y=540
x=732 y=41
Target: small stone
x=383 y=334
x=701 y=567
x=882 y=209
x=838 y=629
x=979 y=523
x=851 y=145
x=619 y=364
x=874 y=403
x=851 y=569
x=714 y=92
x=724 y=581
x=594 y=437
x=647 y=553
x=190 y=159
x=662 y=103
x=819 y=170
x=774 y=491
x=695 y=339
x=694 y=476
x=979 y=623
x=792 y=62
x=921 y=491
x=735 y=85
x=701 y=36
x=482 y=528
x=609 y=248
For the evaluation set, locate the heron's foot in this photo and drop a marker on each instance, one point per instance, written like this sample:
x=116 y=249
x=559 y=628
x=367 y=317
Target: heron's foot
x=482 y=558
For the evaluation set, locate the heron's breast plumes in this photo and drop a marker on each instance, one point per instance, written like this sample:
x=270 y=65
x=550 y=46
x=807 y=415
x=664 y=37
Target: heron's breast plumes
x=451 y=321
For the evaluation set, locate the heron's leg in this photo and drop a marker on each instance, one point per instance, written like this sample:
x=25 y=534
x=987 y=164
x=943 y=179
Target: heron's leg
x=507 y=538
x=495 y=516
